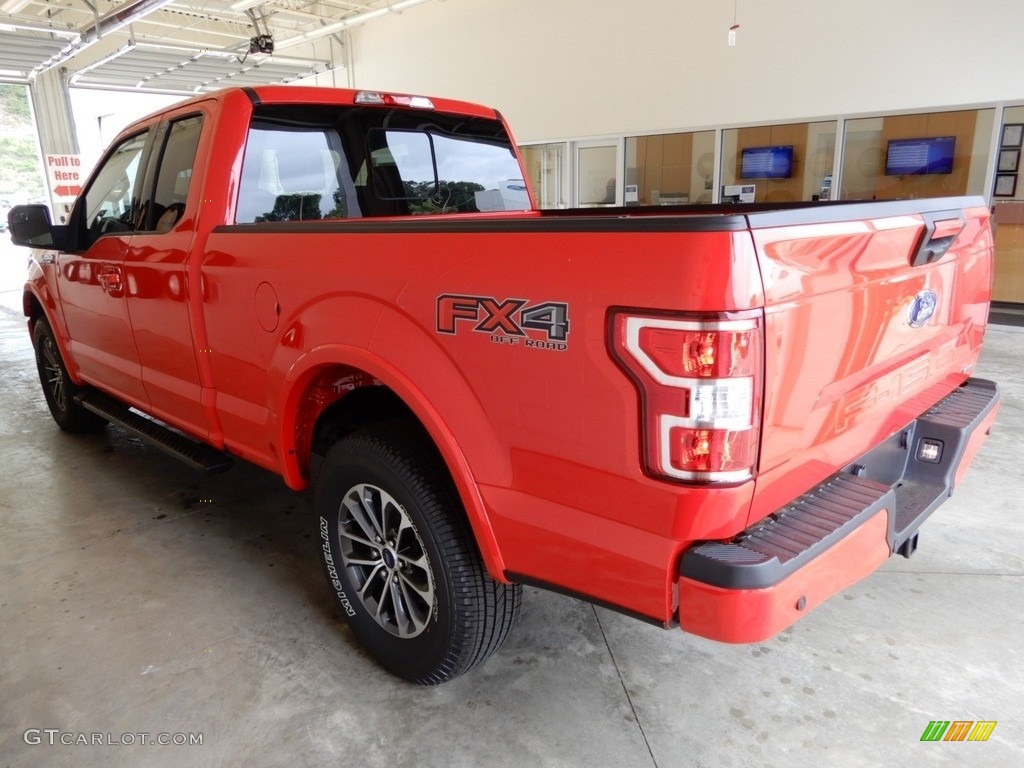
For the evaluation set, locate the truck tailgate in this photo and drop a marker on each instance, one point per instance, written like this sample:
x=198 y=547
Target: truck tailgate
x=868 y=323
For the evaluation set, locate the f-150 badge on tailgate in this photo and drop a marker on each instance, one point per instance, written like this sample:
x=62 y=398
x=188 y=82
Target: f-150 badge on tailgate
x=512 y=321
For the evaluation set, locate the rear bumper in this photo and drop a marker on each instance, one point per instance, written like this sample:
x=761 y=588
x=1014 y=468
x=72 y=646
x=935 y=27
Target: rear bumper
x=777 y=570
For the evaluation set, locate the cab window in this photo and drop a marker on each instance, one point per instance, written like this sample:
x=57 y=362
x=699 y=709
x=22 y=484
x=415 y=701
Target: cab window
x=174 y=175
x=112 y=200
x=315 y=162
x=294 y=173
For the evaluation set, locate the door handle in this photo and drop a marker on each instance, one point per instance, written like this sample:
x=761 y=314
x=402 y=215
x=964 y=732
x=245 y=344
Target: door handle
x=110 y=278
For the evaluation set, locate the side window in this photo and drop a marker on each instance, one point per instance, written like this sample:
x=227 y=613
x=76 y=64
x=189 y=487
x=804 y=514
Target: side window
x=294 y=173
x=174 y=174
x=112 y=200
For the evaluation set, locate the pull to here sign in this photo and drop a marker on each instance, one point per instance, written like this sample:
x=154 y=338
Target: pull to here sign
x=65 y=176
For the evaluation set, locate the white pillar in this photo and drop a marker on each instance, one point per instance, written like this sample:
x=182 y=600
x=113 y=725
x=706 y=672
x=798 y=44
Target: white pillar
x=51 y=106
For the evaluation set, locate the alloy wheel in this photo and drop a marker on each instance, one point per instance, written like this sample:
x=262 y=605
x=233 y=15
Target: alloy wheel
x=386 y=559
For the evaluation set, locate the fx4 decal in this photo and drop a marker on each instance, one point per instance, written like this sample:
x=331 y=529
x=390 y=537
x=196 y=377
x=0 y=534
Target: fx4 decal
x=538 y=326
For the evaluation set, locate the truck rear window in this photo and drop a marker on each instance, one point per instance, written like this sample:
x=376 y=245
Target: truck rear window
x=311 y=163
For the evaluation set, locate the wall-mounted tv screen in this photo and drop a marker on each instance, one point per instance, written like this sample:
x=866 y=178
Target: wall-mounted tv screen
x=915 y=157
x=766 y=162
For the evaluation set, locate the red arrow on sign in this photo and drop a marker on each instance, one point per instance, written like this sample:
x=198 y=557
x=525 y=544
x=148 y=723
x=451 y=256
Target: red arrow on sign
x=67 y=191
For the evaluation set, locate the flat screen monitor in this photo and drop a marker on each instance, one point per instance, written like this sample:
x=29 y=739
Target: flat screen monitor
x=917 y=157
x=766 y=162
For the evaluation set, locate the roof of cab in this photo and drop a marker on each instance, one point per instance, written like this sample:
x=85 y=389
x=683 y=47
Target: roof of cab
x=294 y=94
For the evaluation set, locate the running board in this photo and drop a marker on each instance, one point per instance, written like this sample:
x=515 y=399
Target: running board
x=207 y=460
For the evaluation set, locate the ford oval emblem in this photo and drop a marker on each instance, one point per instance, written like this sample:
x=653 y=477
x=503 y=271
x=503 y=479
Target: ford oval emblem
x=922 y=308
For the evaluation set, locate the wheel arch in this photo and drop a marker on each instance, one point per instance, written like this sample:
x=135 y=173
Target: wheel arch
x=38 y=303
x=337 y=388
x=33 y=309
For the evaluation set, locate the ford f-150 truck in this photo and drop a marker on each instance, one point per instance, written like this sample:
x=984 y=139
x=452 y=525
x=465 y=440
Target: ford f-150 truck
x=707 y=417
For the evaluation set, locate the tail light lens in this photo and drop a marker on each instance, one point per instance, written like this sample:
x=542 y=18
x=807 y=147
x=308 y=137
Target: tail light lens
x=700 y=380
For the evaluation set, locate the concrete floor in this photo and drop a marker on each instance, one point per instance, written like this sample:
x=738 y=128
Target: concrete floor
x=137 y=597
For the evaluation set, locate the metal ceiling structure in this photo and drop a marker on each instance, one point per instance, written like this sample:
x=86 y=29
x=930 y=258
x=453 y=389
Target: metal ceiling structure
x=22 y=51
x=177 y=46
x=154 y=68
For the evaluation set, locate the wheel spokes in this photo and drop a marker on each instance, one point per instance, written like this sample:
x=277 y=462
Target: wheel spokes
x=359 y=504
x=374 y=574
x=54 y=375
x=385 y=557
x=399 y=604
x=419 y=603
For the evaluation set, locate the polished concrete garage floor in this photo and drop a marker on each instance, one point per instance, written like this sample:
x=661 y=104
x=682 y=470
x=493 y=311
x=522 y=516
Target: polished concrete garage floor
x=137 y=597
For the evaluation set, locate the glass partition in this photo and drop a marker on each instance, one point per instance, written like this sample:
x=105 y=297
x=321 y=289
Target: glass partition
x=545 y=166
x=597 y=174
x=670 y=169
x=778 y=163
x=911 y=156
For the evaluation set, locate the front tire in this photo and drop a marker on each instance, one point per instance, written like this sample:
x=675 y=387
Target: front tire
x=58 y=388
x=401 y=561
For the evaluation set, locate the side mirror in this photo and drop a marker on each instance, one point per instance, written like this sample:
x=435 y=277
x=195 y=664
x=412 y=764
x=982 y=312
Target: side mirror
x=30 y=225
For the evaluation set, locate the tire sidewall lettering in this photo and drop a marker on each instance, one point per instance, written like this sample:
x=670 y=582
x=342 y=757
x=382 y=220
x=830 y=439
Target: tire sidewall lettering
x=332 y=570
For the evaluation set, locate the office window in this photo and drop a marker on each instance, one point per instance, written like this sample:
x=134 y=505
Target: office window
x=778 y=163
x=545 y=166
x=904 y=157
x=670 y=169
x=597 y=173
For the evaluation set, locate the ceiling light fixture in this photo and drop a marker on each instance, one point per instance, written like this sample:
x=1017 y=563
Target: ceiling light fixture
x=346 y=23
x=240 y=6
x=13 y=6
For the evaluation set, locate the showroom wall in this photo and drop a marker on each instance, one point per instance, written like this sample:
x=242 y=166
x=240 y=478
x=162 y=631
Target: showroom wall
x=565 y=68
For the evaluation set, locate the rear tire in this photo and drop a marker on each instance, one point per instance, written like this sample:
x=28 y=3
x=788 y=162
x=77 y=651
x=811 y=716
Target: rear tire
x=58 y=388
x=401 y=561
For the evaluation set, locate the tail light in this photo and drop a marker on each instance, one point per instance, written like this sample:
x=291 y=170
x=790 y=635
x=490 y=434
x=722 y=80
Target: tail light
x=700 y=381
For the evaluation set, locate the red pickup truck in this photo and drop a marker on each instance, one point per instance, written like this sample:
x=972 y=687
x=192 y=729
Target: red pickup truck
x=707 y=417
